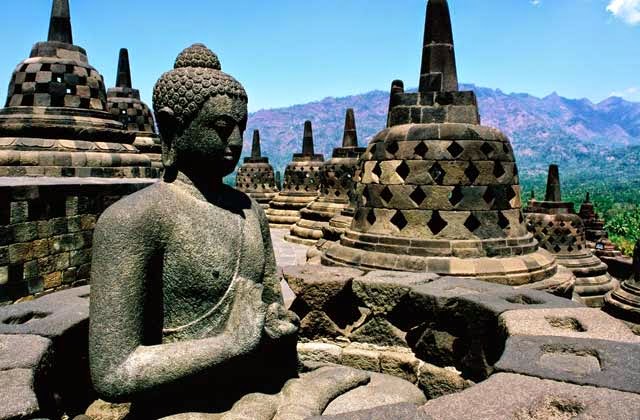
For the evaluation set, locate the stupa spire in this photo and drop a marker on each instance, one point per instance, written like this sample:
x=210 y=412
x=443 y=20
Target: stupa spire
x=587 y=198
x=255 y=147
x=553 y=185
x=350 y=138
x=123 y=79
x=438 y=72
x=60 y=23
x=307 y=139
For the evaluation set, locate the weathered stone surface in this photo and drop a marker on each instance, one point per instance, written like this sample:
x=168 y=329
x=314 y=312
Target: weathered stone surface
x=18 y=399
x=219 y=312
x=319 y=352
x=402 y=411
x=603 y=363
x=435 y=381
x=368 y=360
x=380 y=391
x=401 y=365
x=24 y=352
x=101 y=410
x=381 y=291
x=566 y=322
x=379 y=331
x=508 y=396
x=317 y=285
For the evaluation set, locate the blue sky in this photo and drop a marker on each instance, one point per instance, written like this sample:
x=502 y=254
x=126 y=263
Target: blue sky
x=294 y=51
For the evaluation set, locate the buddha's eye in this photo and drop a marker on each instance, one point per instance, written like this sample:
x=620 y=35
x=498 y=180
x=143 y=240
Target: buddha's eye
x=224 y=126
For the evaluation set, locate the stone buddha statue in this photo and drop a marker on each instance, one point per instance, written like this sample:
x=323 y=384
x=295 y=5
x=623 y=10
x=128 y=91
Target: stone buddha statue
x=187 y=313
x=184 y=275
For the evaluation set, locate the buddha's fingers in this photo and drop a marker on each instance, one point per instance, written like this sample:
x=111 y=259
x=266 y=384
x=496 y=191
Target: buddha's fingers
x=309 y=395
x=253 y=407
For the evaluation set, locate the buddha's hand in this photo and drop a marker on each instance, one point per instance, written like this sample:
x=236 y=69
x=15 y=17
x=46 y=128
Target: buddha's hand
x=247 y=318
x=279 y=322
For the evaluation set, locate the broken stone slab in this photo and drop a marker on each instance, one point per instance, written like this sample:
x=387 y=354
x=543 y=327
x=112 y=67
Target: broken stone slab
x=50 y=316
x=404 y=411
x=436 y=381
x=24 y=352
x=566 y=322
x=380 y=391
x=602 y=363
x=317 y=285
x=506 y=396
x=18 y=398
x=381 y=291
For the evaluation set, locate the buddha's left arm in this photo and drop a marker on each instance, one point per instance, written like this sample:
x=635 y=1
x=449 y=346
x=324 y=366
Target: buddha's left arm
x=272 y=291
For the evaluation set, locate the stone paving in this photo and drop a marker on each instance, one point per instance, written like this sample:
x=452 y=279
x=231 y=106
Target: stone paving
x=287 y=253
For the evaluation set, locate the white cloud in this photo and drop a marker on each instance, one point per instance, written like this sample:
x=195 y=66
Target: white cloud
x=626 y=10
x=630 y=94
x=535 y=2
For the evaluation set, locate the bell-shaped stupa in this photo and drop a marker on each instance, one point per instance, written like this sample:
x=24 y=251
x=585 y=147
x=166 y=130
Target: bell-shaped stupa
x=255 y=176
x=301 y=184
x=439 y=192
x=125 y=105
x=56 y=121
x=624 y=302
x=561 y=232
x=336 y=186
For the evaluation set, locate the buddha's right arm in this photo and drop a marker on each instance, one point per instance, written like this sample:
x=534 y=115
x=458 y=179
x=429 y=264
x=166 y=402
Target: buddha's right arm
x=126 y=315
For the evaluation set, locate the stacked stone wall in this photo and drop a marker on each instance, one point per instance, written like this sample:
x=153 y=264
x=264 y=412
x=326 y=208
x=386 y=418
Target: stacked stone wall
x=46 y=233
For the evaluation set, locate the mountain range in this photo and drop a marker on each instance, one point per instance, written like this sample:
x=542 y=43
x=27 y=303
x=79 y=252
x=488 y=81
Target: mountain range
x=571 y=132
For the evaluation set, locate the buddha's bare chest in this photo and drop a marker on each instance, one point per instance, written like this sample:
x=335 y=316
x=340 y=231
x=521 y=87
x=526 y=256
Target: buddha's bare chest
x=208 y=247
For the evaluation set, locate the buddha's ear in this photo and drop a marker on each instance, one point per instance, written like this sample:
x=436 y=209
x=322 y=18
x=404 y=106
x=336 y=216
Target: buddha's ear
x=168 y=127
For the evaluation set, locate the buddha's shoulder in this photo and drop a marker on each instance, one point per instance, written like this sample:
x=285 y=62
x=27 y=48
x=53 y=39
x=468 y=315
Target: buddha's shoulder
x=145 y=204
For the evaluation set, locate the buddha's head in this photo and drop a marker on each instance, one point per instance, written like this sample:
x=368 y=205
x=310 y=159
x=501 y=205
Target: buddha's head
x=201 y=114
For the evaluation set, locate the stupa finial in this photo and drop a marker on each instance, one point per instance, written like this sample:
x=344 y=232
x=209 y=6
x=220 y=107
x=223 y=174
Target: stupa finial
x=255 y=147
x=123 y=79
x=587 y=198
x=553 y=185
x=307 y=139
x=60 y=23
x=438 y=72
x=350 y=138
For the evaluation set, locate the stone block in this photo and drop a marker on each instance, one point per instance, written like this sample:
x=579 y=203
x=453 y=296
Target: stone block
x=380 y=391
x=18 y=399
x=508 y=396
x=402 y=411
x=569 y=322
x=436 y=382
x=380 y=332
x=400 y=364
x=317 y=285
x=25 y=232
x=602 y=363
x=19 y=212
x=359 y=358
x=319 y=352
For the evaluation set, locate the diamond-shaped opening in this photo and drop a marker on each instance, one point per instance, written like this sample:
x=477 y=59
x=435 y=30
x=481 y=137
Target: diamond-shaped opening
x=503 y=222
x=498 y=169
x=366 y=195
x=557 y=248
x=487 y=149
x=510 y=194
x=455 y=149
x=505 y=148
x=472 y=172
x=386 y=194
x=399 y=220
x=436 y=224
x=421 y=149
x=371 y=217
x=570 y=248
x=418 y=196
x=472 y=223
x=377 y=170
x=393 y=147
x=489 y=195
x=437 y=173
x=456 y=196
x=403 y=170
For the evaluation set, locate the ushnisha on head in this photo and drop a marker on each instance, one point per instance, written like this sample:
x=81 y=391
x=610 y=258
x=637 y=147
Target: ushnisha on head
x=201 y=114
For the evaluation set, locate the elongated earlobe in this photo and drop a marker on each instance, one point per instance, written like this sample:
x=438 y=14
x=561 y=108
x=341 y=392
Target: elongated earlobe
x=168 y=128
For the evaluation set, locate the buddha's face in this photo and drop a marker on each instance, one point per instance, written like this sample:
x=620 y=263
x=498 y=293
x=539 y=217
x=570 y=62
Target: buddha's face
x=213 y=140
